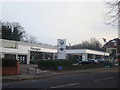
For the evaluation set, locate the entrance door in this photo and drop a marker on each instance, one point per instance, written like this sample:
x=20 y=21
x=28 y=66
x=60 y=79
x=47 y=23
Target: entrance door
x=22 y=59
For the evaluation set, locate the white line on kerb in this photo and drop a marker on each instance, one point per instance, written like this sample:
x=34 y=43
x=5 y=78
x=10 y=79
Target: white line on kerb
x=103 y=79
x=65 y=85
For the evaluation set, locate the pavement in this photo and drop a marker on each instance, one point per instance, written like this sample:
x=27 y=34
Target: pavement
x=44 y=74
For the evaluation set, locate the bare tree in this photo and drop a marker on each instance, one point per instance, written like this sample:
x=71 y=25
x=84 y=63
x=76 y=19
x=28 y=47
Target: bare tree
x=112 y=13
x=91 y=44
x=32 y=39
x=85 y=44
x=95 y=43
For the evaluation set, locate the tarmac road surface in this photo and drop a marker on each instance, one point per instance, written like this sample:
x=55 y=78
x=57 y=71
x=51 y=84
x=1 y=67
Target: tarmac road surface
x=74 y=80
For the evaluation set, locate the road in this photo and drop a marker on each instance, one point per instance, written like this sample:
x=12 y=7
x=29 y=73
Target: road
x=76 y=80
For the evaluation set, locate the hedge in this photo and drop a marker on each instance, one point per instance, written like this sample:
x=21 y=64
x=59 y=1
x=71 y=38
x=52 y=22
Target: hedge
x=48 y=64
x=9 y=62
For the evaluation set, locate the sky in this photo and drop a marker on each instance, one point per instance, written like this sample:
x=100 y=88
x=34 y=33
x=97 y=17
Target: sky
x=48 y=21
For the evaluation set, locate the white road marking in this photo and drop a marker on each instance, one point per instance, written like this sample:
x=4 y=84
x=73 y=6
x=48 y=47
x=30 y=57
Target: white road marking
x=103 y=79
x=65 y=85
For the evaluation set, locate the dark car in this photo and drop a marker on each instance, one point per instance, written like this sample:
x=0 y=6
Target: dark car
x=99 y=61
x=87 y=62
x=102 y=61
x=82 y=62
x=105 y=62
x=91 y=62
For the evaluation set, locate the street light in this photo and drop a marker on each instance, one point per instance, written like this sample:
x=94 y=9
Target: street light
x=104 y=47
x=115 y=44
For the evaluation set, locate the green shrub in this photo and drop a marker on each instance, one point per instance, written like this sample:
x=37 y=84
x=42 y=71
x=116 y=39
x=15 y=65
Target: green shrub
x=9 y=62
x=53 y=64
x=75 y=60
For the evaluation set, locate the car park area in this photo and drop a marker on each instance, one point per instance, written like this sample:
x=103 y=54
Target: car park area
x=97 y=61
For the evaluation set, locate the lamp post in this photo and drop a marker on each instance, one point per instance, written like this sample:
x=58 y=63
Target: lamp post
x=104 y=47
x=115 y=44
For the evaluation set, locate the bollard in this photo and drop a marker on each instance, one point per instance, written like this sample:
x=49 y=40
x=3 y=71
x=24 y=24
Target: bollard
x=43 y=68
x=36 y=70
x=27 y=71
x=60 y=67
x=50 y=68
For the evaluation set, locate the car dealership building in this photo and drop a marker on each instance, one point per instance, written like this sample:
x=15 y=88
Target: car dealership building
x=27 y=52
x=24 y=52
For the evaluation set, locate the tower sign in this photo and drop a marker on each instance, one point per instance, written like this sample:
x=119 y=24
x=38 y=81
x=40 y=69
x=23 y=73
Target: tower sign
x=61 y=48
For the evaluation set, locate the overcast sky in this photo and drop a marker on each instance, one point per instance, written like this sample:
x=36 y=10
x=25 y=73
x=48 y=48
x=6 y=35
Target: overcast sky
x=49 y=21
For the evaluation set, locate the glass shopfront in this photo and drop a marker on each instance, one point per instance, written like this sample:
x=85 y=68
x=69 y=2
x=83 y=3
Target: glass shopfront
x=36 y=56
x=22 y=59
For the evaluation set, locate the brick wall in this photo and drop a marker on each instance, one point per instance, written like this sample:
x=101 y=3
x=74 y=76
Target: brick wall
x=10 y=70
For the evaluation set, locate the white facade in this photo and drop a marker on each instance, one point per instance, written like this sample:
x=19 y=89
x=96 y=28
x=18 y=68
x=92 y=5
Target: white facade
x=79 y=51
x=24 y=49
x=84 y=53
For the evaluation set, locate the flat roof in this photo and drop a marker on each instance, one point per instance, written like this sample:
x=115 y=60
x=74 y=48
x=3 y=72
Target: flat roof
x=30 y=44
x=70 y=51
x=80 y=51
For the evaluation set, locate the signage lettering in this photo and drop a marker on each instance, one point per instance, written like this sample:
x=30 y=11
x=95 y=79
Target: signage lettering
x=35 y=48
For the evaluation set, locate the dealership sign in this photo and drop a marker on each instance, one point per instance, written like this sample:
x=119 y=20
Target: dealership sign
x=61 y=49
x=61 y=42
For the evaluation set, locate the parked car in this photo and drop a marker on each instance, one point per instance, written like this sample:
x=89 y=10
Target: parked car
x=102 y=61
x=106 y=62
x=91 y=62
x=87 y=62
x=82 y=62
x=98 y=61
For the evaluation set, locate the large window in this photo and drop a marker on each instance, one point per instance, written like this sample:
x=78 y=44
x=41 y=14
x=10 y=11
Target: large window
x=35 y=55
x=48 y=55
x=7 y=44
x=22 y=59
x=10 y=56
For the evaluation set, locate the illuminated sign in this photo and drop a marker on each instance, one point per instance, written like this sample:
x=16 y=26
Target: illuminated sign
x=61 y=49
x=61 y=42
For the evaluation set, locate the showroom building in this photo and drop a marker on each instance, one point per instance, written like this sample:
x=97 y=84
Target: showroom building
x=26 y=52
